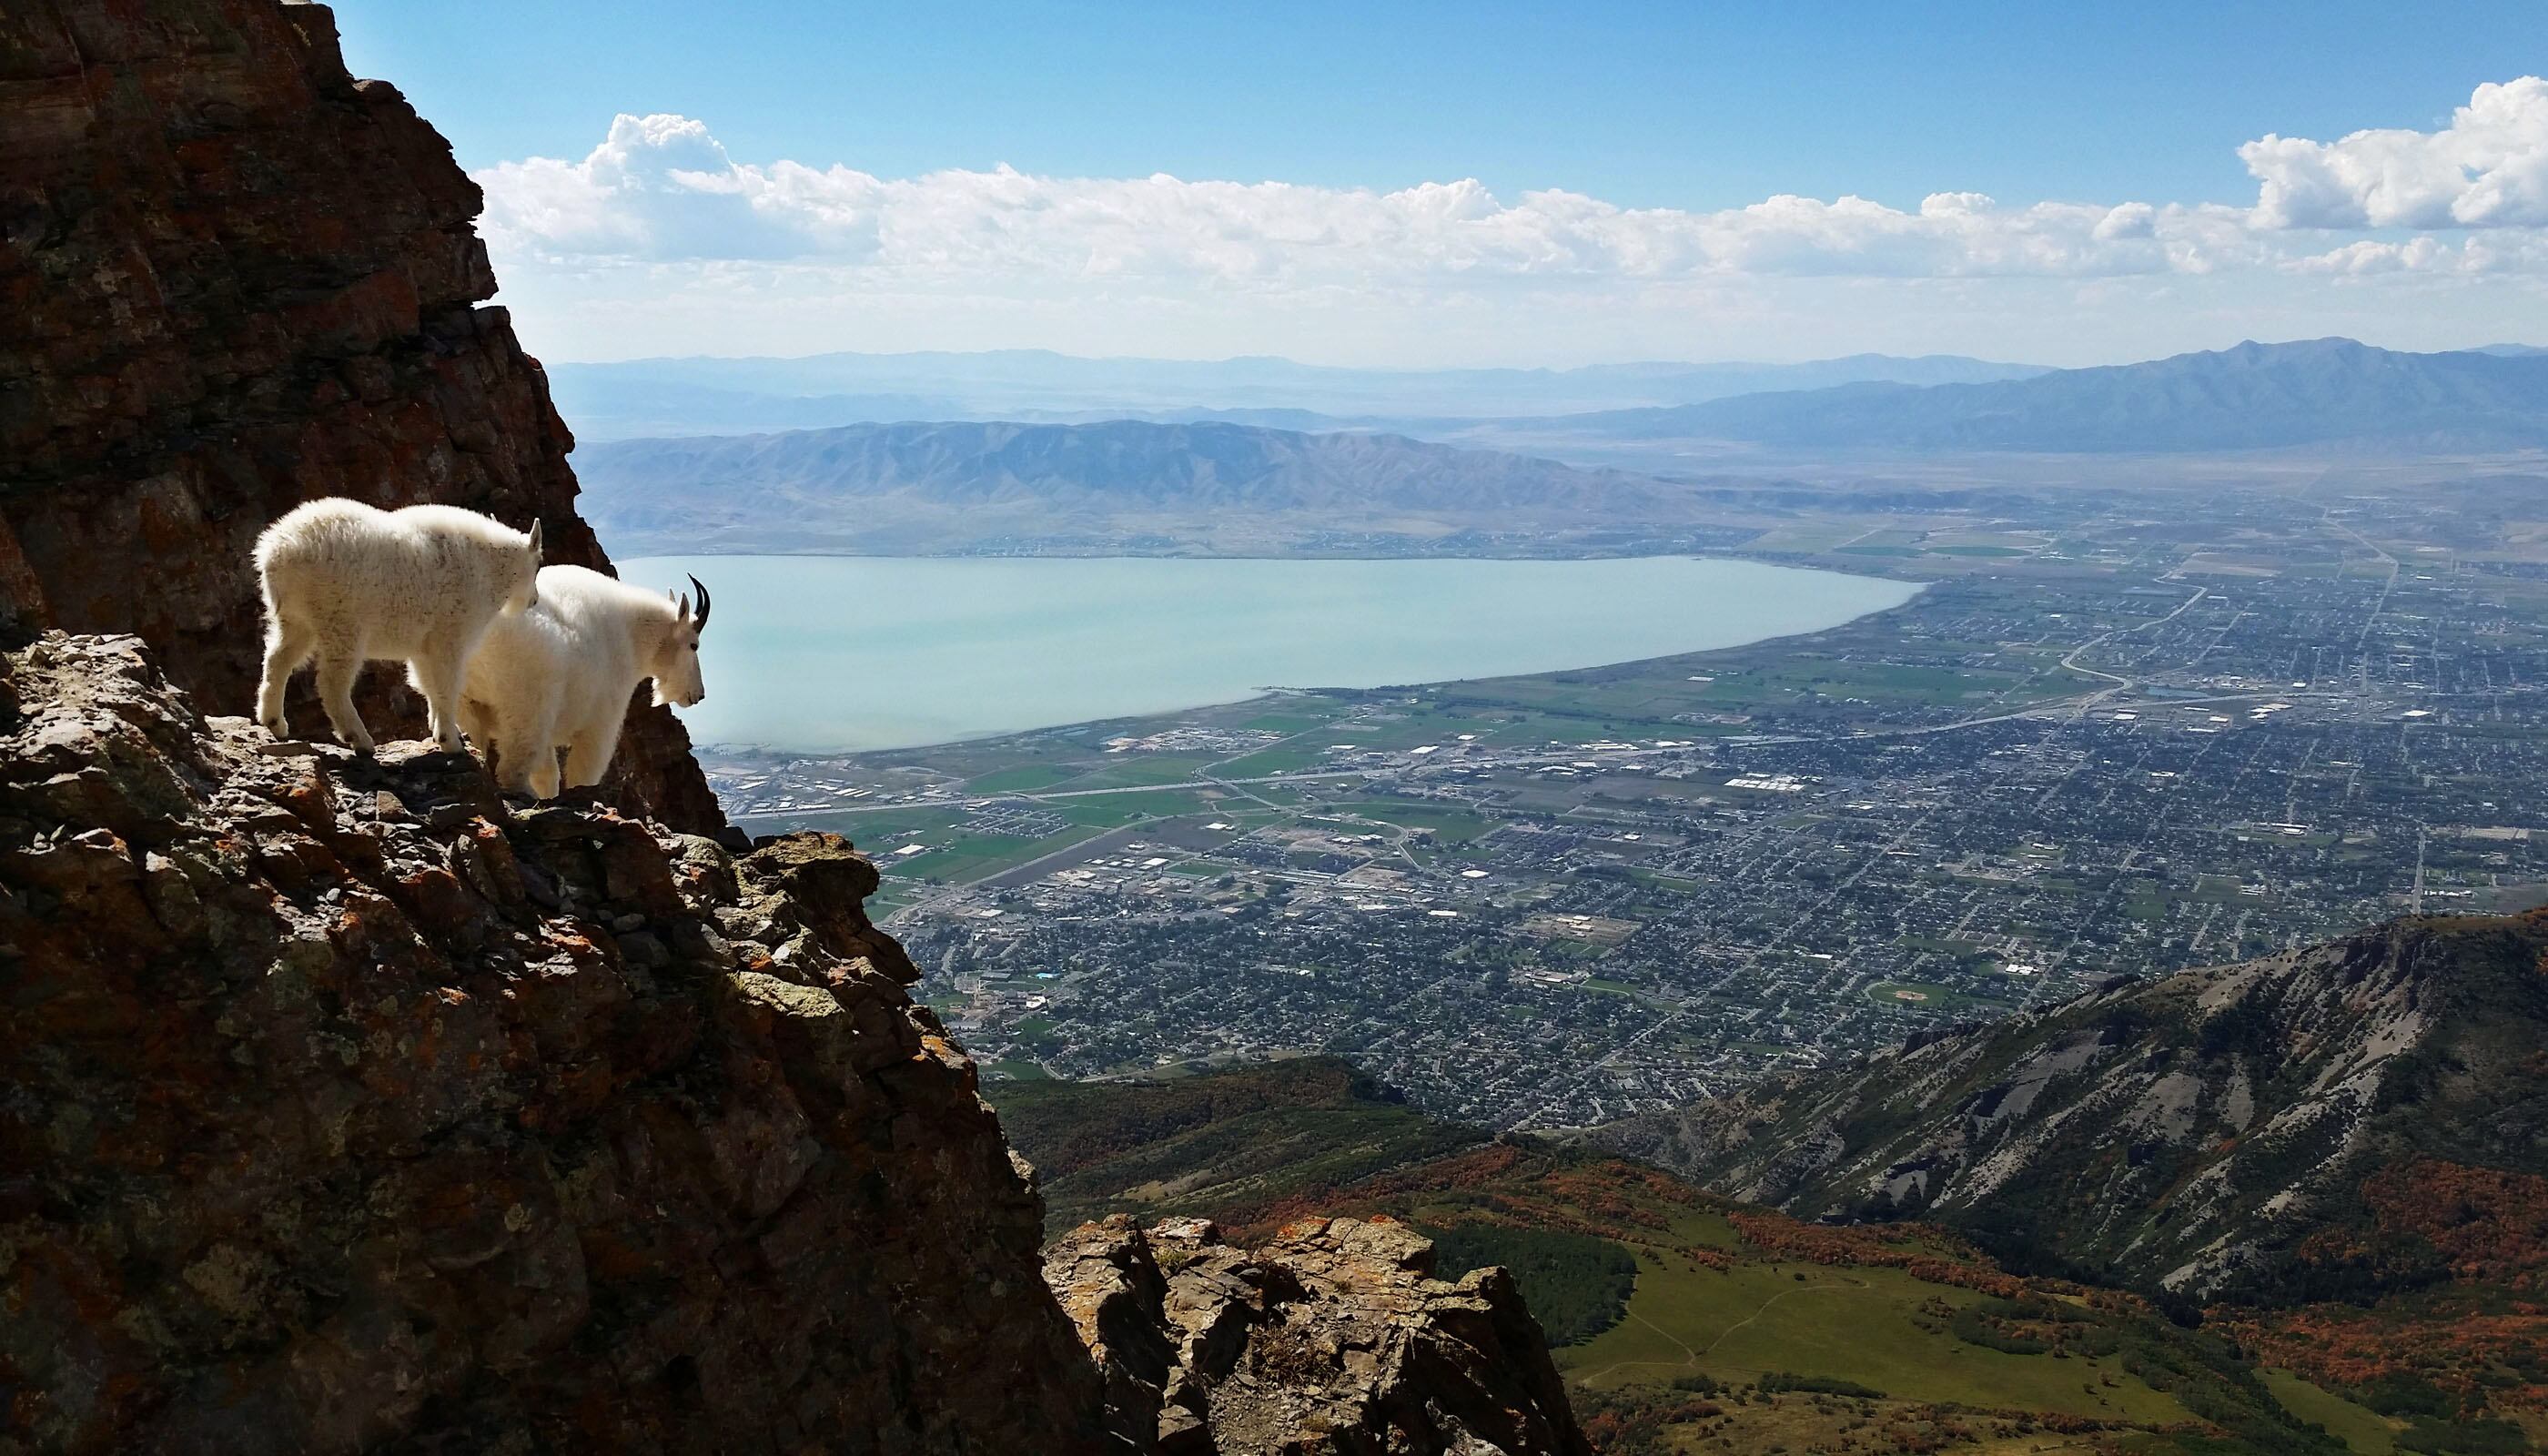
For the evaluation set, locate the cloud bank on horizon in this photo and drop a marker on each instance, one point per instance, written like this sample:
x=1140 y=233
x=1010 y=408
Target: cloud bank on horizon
x=658 y=241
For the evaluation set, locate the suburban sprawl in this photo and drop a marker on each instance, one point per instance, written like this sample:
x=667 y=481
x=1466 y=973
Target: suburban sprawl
x=2112 y=741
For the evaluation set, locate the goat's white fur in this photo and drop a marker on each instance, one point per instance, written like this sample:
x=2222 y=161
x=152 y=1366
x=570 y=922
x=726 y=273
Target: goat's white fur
x=349 y=582
x=561 y=675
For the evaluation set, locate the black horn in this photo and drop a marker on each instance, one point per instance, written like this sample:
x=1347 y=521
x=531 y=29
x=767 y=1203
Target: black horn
x=702 y=620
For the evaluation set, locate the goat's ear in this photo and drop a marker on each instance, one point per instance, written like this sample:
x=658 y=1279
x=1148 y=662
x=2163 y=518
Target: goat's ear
x=535 y=538
x=684 y=604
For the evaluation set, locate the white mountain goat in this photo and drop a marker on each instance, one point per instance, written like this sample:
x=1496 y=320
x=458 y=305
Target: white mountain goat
x=561 y=675
x=349 y=582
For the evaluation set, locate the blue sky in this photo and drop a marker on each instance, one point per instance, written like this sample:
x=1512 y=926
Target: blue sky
x=1700 y=110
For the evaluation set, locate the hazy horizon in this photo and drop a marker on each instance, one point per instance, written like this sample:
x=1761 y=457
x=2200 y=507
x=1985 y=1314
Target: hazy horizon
x=1622 y=362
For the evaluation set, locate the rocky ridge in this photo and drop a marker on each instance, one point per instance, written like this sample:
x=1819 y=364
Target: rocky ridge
x=235 y=278
x=2265 y=1131
x=1332 y=1336
x=345 y=1108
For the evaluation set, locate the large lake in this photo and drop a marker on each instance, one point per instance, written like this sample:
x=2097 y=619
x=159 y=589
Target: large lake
x=820 y=654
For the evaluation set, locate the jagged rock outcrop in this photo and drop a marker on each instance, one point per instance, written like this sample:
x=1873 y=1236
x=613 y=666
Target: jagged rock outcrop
x=2296 y=1126
x=1333 y=1337
x=234 y=278
x=343 y=1109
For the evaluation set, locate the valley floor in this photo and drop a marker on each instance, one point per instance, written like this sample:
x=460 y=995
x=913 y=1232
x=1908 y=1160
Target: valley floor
x=2112 y=737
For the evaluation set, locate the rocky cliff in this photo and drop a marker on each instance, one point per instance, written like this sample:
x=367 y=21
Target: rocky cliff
x=233 y=278
x=343 y=1109
x=2342 y=1121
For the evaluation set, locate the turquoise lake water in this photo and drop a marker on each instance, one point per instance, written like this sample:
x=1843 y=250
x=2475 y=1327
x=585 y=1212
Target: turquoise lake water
x=824 y=654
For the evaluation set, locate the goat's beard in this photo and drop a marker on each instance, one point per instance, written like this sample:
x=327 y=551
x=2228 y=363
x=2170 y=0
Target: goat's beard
x=661 y=699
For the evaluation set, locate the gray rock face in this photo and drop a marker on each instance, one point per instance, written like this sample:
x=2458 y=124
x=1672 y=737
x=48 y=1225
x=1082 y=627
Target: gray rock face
x=1334 y=1338
x=2192 y=1133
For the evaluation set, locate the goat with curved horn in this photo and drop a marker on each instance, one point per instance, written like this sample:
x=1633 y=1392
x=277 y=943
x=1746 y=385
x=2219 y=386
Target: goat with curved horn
x=560 y=675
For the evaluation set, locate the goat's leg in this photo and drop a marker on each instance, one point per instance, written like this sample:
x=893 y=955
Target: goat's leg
x=288 y=645
x=590 y=750
x=528 y=766
x=478 y=721
x=340 y=660
x=436 y=673
x=544 y=767
x=513 y=757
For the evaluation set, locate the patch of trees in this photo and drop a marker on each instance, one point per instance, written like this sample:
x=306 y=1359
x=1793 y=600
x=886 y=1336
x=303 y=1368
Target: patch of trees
x=1575 y=1286
x=1780 y=1381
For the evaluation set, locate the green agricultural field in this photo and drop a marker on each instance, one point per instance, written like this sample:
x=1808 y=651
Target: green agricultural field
x=1450 y=826
x=875 y=830
x=1022 y=779
x=968 y=858
x=1278 y=794
x=1281 y=759
x=1111 y=810
x=1130 y=771
x=1307 y=716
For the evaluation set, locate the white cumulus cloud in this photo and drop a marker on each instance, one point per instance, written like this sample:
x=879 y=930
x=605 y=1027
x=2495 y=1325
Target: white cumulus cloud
x=2488 y=169
x=660 y=188
x=657 y=239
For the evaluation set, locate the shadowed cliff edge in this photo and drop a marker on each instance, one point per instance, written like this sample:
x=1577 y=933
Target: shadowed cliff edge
x=236 y=279
x=343 y=1108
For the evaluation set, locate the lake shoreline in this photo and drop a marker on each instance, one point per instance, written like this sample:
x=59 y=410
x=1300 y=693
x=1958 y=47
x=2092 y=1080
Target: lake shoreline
x=972 y=648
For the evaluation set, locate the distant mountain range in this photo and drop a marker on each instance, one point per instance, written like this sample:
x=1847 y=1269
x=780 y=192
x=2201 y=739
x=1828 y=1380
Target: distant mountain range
x=703 y=396
x=1244 y=478
x=885 y=486
x=2324 y=391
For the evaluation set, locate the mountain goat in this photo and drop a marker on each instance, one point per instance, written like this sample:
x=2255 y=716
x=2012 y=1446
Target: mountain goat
x=349 y=582
x=561 y=675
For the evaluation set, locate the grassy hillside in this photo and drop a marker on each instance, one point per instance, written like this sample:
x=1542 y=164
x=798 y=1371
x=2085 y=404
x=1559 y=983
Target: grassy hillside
x=1226 y=1145
x=1685 y=1322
